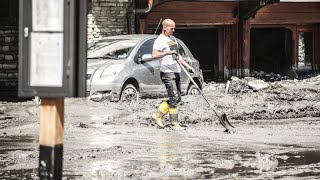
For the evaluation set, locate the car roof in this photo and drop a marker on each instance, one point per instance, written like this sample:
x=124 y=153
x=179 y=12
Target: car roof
x=129 y=36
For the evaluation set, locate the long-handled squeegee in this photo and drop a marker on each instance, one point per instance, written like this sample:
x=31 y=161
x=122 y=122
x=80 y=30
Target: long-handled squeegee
x=223 y=118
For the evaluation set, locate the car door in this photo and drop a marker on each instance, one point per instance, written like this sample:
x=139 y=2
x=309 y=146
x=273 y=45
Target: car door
x=149 y=72
x=184 y=78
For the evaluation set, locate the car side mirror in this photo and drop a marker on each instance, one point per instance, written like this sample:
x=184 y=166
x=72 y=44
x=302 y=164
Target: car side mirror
x=146 y=57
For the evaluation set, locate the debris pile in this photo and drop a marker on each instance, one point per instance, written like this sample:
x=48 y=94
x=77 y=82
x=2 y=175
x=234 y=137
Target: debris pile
x=313 y=78
x=211 y=86
x=262 y=81
x=238 y=86
x=268 y=77
x=247 y=84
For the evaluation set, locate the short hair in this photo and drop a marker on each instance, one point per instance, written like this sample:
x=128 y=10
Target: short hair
x=166 y=22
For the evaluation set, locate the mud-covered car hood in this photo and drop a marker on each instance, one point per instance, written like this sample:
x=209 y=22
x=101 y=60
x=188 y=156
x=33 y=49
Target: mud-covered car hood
x=94 y=64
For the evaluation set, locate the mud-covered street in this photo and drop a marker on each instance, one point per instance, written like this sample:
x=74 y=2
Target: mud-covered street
x=277 y=135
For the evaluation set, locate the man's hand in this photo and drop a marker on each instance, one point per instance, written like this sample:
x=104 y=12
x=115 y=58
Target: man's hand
x=191 y=70
x=172 y=52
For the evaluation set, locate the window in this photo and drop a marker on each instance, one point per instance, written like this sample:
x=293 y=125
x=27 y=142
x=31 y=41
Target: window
x=305 y=49
x=118 y=54
x=111 y=48
x=146 y=47
x=181 y=51
x=5 y=8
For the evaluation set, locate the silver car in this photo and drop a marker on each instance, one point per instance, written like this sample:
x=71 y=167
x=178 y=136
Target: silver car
x=117 y=69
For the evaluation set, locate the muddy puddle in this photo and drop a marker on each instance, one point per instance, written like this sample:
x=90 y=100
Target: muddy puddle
x=122 y=152
x=245 y=166
x=277 y=137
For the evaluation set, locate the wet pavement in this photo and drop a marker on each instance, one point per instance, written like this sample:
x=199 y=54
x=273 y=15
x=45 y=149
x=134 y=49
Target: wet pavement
x=119 y=152
x=277 y=136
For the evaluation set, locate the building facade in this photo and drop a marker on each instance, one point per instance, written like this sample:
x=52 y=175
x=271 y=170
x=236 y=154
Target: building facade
x=105 y=18
x=234 y=38
x=110 y=17
x=229 y=38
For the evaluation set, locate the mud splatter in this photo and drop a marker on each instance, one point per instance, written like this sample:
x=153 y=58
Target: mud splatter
x=277 y=135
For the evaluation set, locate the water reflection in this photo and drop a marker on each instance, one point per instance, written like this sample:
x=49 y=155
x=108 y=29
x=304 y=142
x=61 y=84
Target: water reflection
x=299 y=158
x=163 y=150
x=206 y=161
x=171 y=155
x=165 y=147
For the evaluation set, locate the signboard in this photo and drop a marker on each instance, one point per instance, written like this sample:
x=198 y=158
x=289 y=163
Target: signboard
x=52 y=59
x=47 y=15
x=46 y=64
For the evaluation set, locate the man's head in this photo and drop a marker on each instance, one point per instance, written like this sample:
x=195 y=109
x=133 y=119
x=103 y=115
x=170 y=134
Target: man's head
x=168 y=27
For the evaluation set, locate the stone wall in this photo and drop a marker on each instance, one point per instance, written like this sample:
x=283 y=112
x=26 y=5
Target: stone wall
x=8 y=61
x=110 y=17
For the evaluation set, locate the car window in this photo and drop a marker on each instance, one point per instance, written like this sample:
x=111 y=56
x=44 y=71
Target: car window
x=111 y=49
x=146 y=47
x=119 y=54
x=181 y=51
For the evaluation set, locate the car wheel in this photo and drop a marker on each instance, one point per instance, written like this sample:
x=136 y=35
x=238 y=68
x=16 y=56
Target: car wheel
x=129 y=94
x=193 y=90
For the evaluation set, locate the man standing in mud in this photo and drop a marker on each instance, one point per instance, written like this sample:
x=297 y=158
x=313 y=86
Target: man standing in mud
x=165 y=49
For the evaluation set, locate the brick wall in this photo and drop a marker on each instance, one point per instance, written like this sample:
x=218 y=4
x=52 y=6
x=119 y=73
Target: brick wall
x=8 y=61
x=105 y=18
x=110 y=17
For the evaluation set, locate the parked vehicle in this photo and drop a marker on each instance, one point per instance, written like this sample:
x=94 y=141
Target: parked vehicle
x=117 y=69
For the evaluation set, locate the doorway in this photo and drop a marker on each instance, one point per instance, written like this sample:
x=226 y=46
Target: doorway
x=9 y=12
x=203 y=44
x=305 y=49
x=271 y=50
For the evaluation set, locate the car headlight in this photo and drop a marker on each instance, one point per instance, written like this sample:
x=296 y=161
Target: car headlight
x=112 y=70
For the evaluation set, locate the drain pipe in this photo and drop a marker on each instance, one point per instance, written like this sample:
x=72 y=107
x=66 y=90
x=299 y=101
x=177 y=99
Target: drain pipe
x=146 y=10
x=140 y=13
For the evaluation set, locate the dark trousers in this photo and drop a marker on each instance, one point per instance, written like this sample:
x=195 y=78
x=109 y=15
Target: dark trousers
x=173 y=86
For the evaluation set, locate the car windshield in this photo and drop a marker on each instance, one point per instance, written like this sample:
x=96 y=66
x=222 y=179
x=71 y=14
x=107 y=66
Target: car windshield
x=111 y=49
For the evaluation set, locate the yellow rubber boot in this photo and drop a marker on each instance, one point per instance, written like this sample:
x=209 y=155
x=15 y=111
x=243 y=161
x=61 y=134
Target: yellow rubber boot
x=173 y=114
x=161 y=111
